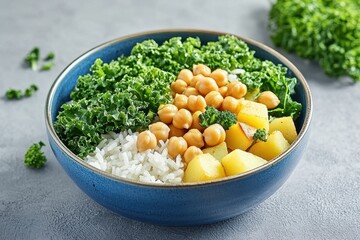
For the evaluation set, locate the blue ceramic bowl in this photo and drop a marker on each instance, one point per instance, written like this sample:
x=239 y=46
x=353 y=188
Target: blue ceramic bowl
x=181 y=204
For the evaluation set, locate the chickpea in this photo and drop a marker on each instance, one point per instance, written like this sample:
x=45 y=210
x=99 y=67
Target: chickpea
x=182 y=119
x=186 y=75
x=269 y=99
x=191 y=91
x=236 y=90
x=167 y=112
x=230 y=104
x=176 y=131
x=196 y=121
x=176 y=146
x=220 y=76
x=194 y=138
x=206 y=85
x=201 y=69
x=160 y=130
x=223 y=91
x=178 y=86
x=180 y=101
x=191 y=153
x=195 y=79
x=214 y=99
x=214 y=135
x=146 y=140
x=196 y=103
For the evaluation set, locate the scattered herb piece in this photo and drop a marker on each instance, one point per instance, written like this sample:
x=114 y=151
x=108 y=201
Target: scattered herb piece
x=47 y=66
x=15 y=94
x=260 y=134
x=321 y=30
x=49 y=56
x=12 y=94
x=34 y=157
x=32 y=58
x=30 y=90
x=211 y=116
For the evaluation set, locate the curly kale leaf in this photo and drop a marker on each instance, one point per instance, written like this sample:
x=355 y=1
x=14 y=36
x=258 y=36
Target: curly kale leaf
x=260 y=134
x=131 y=103
x=34 y=157
x=49 y=56
x=15 y=94
x=32 y=58
x=12 y=94
x=321 y=30
x=212 y=116
x=47 y=66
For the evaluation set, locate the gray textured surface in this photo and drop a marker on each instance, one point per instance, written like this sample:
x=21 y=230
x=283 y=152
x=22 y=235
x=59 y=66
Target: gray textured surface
x=320 y=201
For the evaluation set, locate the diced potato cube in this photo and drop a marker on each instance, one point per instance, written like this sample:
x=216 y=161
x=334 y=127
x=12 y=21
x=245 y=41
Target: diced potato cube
x=274 y=146
x=236 y=138
x=239 y=161
x=254 y=114
x=286 y=126
x=203 y=167
x=218 y=151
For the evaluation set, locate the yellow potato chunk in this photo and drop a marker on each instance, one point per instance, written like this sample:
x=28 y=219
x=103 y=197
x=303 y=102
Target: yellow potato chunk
x=203 y=167
x=254 y=114
x=274 y=146
x=218 y=152
x=286 y=126
x=239 y=161
x=236 y=138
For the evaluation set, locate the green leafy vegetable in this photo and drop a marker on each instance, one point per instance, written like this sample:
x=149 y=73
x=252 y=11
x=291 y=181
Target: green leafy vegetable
x=49 y=56
x=15 y=94
x=260 y=134
x=34 y=157
x=130 y=103
x=12 y=94
x=126 y=93
x=47 y=66
x=32 y=58
x=211 y=116
x=30 y=90
x=326 y=31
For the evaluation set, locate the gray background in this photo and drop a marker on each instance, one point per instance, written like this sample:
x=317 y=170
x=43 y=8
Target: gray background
x=320 y=201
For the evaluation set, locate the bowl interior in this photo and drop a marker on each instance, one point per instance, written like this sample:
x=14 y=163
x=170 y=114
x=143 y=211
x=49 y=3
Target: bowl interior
x=60 y=91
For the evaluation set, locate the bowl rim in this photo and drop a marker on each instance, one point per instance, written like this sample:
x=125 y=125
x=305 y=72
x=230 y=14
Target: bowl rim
x=78 y=160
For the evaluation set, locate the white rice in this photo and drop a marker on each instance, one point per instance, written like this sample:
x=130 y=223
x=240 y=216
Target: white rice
x=237 y=71
x=232 y=76
x=117 y=154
